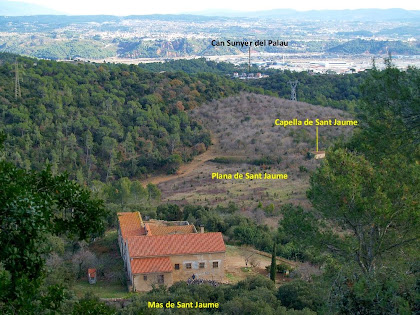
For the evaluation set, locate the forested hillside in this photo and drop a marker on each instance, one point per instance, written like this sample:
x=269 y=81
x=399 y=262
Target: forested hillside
x=102 y=121
x=331 y=90
x=194 y=66
x=360 y=46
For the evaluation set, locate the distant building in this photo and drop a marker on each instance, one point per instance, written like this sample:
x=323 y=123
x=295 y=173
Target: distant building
x=92 y=275
x=319 y=154
x=252 y=76
x=164 y=252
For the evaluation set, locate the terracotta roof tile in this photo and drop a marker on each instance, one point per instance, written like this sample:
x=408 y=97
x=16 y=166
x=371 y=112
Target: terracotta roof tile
x=92 y=272
x=130 y=224
x=176 y=244
x=148 y=265
x=167 y=230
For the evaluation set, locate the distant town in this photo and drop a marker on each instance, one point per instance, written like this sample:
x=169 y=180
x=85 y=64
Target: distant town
x=319 y=43
x=317 y=63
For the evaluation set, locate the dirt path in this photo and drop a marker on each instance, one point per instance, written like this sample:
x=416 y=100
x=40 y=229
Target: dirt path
x=186 y=169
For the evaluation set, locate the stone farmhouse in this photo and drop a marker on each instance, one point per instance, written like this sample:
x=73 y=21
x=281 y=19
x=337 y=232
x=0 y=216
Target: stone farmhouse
x=163 y=252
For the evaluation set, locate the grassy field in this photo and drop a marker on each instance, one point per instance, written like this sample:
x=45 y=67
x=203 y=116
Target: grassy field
x=199 y=188
x=251 y=196
x=102 y=288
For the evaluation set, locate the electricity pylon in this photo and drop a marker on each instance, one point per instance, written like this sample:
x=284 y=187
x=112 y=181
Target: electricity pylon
x=293 y=85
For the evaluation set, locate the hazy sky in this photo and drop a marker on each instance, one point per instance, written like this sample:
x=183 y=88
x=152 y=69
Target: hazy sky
x=128 y=7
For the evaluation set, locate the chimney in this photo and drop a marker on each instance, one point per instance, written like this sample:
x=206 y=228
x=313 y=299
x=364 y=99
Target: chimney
x=201 y=228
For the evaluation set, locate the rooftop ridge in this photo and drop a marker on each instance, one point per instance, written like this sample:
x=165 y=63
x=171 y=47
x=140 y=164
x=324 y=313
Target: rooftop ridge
x=141 y=221
x=172 y=235
x=130 y=224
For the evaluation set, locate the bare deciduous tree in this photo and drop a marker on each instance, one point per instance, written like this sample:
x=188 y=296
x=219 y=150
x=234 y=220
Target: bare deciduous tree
x=254 y=261
x=247 y=254
x=82 y=260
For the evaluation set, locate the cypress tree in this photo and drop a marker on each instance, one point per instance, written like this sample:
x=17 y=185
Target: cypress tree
x=273 y=264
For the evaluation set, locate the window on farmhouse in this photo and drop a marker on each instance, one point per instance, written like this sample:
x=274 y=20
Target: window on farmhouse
x=201 y=265
x=188 y=265
x=160 y=279
x=176 y=266
x=145 y=278
x=215 y=264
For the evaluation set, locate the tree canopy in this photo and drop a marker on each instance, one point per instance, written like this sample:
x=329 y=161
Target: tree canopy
x=368 y=189
x=103 y=121
x=34 y=205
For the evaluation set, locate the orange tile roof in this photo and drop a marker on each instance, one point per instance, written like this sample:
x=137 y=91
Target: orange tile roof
x=92 y=272
x=175 y=244
x=148 y=265
x=153 y=229
x=130 y=224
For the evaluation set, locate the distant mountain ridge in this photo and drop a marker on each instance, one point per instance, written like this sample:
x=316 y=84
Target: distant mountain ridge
x=357 y=14
x=12 y=8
